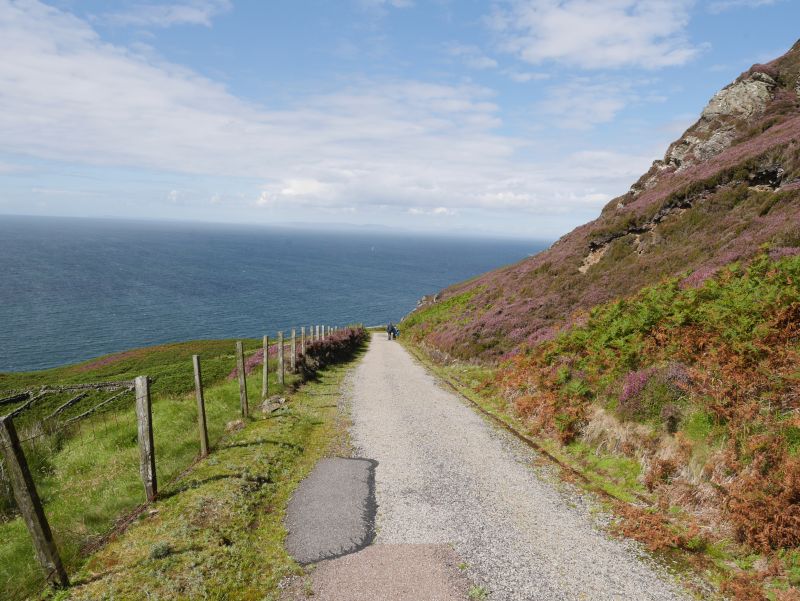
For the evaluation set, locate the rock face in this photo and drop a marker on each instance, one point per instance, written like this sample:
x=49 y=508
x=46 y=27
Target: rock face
x=729 y=184
x=744 y=98
x=737 y=103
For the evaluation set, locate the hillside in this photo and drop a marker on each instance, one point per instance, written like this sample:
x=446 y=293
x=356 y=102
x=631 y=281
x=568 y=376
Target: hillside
x=729 y=185
x=654 y=352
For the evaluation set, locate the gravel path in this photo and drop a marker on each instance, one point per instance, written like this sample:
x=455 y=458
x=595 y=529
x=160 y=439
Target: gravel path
x=446 y=476
x=390 y=573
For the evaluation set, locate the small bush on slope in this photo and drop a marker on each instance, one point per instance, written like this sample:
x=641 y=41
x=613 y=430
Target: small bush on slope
x=701 y=386
x=337 y=347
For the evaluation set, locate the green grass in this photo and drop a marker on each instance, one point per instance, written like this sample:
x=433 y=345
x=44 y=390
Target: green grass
x=218 y=532
x=169 y=365
x=89 y=478
x=448 y=310
x=617 y=475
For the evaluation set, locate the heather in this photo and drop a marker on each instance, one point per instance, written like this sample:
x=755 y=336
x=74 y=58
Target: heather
x=687 y=218
x=337 y=347
x=700 y=387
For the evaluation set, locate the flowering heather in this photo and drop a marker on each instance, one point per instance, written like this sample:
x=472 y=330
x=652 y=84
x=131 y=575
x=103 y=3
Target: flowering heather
x=685 y=223
x=699 y=276
x=784 y=251
x=698 y=389
x=635 y=383
x=251 y=362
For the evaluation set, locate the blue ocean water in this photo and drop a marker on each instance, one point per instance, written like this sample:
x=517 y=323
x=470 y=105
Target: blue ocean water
x=73 y=289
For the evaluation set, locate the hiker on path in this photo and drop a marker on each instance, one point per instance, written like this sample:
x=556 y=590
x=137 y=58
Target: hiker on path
x=390 y=330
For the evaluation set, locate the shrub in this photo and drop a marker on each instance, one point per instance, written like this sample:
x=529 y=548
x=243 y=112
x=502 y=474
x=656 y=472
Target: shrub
x=654 y=393
x=336 y=348
x=764 y=502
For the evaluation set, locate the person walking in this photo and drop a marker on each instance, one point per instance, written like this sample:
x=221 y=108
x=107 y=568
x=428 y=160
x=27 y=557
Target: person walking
x=390 y=331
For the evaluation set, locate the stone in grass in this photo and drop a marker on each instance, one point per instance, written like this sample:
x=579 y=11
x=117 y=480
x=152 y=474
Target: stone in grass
x=160 y=550
x=234 y=426
x=273 y=403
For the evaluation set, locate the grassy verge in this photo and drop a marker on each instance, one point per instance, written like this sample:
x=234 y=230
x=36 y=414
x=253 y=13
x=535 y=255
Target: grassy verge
x=89 y=479
x=614 y=479
x=217 y=532
x=679 y=405
x=604 y=473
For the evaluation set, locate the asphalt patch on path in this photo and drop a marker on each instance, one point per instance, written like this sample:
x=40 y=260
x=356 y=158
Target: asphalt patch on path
x=332 y=512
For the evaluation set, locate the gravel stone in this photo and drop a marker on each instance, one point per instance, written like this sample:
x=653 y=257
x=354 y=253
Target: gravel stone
x=447 y=476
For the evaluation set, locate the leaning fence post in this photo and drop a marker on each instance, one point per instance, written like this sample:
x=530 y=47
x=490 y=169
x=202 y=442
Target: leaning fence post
x=242 y=379
x=144 y=420
x=265 y=371
x=30 y=506
x=293 y=360
x=201 y=407
x=280 y=359
x=303 y=340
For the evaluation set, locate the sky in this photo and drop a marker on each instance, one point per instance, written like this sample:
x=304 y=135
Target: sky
x=499 y=117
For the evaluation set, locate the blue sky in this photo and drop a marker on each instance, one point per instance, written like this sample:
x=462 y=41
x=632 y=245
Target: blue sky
x=514 y=117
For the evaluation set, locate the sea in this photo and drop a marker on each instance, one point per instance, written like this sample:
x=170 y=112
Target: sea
x=73 y=289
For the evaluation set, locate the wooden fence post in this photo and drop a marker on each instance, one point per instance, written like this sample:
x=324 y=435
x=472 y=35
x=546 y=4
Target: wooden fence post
x=303 y=340
x=144 y=420
x=293 y=360
x=201 y=406
x=280 y=359
x=242 y=379
x=30 y=506
x=265 y=371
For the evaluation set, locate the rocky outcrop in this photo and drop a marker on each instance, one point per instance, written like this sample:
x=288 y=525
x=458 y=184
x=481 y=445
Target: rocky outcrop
x=729 y=185
x=720 y=123
x=742 y=99
x=735 y=104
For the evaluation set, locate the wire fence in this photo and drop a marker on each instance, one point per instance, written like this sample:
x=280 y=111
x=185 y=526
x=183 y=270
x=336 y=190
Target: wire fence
x=78 y=460
x=77 y=451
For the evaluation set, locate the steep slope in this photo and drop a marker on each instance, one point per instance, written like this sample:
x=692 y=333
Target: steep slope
x=655 y=350
x=728 y=186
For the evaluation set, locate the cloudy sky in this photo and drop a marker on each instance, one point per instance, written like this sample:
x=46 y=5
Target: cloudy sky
x=517 y=117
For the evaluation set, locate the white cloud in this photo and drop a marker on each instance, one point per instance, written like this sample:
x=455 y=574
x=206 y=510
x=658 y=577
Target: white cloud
x=526 y=76
x=723 y=5
x=436 y=212
x=582 y=103
x=596 y=34
x=188 y=12
x=471 y=56
x=66 y=95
